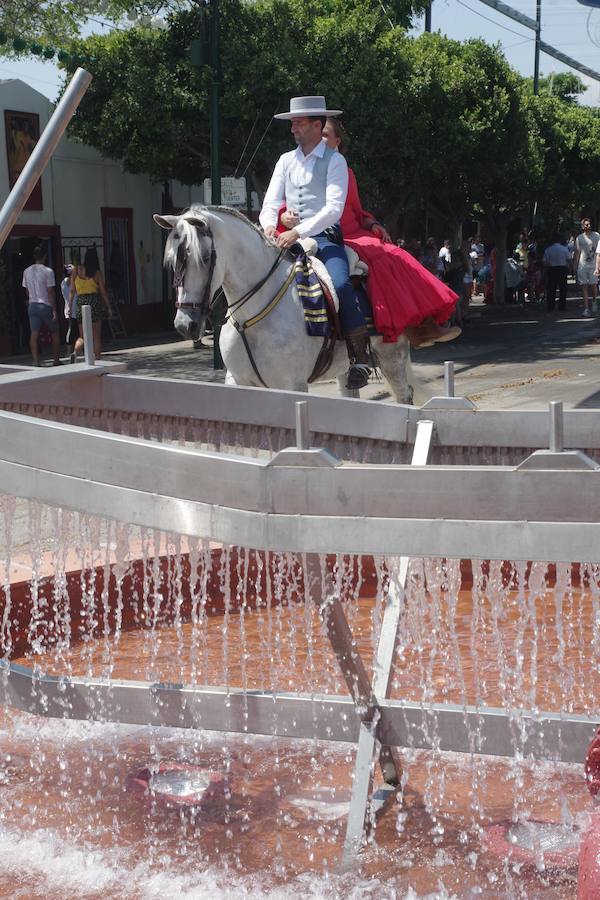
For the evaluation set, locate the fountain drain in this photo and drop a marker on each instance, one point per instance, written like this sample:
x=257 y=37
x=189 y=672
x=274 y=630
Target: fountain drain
x=179 y=785
x=533 y=841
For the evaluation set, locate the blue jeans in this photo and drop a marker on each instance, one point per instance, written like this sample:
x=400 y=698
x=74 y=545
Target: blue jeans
x=336 y=262
x=39 y=314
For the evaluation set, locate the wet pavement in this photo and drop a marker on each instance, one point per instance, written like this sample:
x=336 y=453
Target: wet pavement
x=507 y=357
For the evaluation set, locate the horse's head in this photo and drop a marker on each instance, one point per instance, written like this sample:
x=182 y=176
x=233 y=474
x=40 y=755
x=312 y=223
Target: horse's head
x=190 y=252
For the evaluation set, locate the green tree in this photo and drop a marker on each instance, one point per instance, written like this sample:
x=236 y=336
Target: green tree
x=433 y=122
x=468 y=144
x=58 y=22
x=149 y=107
x=570 y=136
x=565 y=85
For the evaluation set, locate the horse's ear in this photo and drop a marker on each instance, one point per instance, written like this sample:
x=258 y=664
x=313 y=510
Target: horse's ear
x=198 y=223
x=165 y=221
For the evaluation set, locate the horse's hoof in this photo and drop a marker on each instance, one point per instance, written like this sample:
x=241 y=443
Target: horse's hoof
x=358 y=377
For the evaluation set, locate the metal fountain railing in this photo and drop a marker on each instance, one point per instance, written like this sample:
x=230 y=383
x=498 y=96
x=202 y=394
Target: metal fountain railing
x=305 y=501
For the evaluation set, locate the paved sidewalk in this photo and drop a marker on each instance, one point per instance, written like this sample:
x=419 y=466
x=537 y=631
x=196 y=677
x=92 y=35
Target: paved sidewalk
x=507 y=357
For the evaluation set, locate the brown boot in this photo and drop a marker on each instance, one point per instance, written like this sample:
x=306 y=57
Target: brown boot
x=358 y=352
x=429 y=332
x=416 y=334
x=357 y=342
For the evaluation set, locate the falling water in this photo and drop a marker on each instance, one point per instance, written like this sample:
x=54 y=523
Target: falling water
x=248 y=439
x=87 y=596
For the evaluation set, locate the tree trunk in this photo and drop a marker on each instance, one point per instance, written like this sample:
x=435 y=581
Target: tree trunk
x=390 y=215
x=499 y=233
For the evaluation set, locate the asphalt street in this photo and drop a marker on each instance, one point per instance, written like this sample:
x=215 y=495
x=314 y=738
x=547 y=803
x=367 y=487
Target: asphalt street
x=507 y=357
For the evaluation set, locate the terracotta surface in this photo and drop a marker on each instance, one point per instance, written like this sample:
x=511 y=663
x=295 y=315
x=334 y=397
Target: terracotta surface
x=282 y=827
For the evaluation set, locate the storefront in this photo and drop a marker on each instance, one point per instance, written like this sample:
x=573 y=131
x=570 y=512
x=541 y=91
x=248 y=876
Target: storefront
x=81 y=201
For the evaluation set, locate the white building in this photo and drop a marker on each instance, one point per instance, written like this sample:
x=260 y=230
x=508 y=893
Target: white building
x=83 y=200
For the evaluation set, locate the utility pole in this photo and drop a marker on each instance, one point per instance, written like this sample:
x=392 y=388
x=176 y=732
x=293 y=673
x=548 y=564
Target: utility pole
x=205 y=50
x=538 y=41
x=215 y=87
x=536 y=77
x=215 y=141
x=428 y=16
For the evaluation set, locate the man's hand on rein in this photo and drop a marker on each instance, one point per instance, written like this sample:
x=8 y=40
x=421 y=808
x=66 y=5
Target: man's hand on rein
x=287 y=238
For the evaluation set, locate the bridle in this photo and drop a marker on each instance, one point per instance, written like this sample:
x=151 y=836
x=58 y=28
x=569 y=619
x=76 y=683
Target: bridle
x=180 y=269
x=206 y=301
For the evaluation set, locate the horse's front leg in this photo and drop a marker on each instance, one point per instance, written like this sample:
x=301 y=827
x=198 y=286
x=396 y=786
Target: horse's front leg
x=229 y=379
x=395 y=363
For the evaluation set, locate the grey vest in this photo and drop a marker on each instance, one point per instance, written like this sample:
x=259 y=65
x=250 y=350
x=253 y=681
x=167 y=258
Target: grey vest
x=310 y=198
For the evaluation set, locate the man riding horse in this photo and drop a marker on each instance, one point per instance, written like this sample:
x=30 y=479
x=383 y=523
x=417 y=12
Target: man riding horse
x=313 y=181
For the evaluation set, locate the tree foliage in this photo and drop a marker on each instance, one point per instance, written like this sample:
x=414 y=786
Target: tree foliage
x=62 y=21
x=149 y=107
x=434 y=123
x=567 y=86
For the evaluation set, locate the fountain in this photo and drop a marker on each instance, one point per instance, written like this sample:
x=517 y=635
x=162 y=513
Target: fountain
x=240 y=655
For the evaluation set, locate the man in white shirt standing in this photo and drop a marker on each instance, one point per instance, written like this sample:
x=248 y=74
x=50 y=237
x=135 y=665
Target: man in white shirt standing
x=444 y=257
x=312 y=181
x=556 y=262
x=40 y=287
x=586 y=246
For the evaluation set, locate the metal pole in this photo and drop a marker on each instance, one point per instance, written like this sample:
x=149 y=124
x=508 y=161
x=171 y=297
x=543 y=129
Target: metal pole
x=428 y=16
x=557 y=435
x=302 y=429
x=215 y=141
x=538 y=39
x=88 y=335
x=42 y=152
x=449 y=378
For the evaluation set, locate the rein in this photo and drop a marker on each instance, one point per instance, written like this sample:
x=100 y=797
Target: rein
x=243 y=328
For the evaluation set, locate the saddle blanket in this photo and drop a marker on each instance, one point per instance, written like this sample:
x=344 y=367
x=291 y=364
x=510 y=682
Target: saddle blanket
x=312 y=277
x=311 y=293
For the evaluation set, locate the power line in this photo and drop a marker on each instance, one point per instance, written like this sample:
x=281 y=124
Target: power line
x=493 y=21
x=20 y=76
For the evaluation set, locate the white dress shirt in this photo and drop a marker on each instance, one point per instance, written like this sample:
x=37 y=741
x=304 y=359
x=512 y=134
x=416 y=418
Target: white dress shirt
x=298 y=168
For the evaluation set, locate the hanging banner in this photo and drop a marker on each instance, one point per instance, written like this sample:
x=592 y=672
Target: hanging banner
x=22 y=134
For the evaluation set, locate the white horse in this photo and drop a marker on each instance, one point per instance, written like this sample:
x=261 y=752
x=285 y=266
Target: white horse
x=264 y=341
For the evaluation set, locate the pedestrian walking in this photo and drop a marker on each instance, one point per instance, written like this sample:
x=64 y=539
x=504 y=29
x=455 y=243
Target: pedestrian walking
x=586 y=246
x=40 y=288
x=556 y=260
x=71 y=300
x=88 y=282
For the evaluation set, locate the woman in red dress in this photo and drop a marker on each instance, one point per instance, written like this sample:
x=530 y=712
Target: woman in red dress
x=404 y=296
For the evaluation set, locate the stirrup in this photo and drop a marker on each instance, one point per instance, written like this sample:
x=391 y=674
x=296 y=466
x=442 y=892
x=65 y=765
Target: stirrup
x=358 y=377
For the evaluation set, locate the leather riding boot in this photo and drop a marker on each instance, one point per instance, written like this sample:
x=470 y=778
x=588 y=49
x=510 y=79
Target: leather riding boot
x=357 y=343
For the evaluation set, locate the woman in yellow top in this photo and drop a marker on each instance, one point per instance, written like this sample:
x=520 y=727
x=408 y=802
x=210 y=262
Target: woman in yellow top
x=88 y=283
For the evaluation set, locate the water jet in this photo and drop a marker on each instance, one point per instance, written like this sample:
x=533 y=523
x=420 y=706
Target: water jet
x=190 y=576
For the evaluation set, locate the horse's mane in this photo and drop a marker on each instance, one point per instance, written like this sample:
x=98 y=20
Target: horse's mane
x=193 y=237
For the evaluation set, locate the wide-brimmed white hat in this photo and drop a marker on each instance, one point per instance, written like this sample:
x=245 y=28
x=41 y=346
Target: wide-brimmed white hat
x=307 y=106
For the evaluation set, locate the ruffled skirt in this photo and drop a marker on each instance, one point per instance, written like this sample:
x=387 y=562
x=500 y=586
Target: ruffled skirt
x=402 y=291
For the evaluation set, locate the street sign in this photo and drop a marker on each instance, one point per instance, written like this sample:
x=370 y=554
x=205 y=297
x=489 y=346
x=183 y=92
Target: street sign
x=233 y=192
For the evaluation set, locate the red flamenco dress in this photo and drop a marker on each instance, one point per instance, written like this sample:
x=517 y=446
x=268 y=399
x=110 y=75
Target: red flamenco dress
x=402 y=291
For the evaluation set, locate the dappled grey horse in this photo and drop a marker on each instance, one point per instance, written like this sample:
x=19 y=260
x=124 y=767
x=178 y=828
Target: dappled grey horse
x=264 y=341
